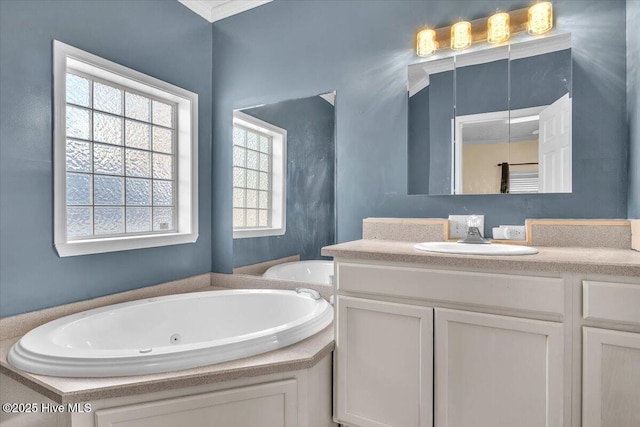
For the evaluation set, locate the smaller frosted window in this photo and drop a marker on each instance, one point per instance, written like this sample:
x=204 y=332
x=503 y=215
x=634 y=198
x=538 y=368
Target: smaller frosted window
x=252 y=158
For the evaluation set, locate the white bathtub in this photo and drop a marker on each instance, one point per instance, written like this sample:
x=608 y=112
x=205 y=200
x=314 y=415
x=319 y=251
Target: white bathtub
x=303 y=271
x=170 y=333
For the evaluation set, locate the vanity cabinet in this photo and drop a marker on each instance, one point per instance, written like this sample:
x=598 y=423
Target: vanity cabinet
x=611 y=379
x=494 y=343
x=610 y=357
x=384 y=358
x=497 y=371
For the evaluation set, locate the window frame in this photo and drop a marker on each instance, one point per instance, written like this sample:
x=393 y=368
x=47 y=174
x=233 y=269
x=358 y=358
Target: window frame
x=278 y=177
x=68 y=58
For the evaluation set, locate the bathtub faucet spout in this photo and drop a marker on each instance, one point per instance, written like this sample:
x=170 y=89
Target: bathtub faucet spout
x=314 y=294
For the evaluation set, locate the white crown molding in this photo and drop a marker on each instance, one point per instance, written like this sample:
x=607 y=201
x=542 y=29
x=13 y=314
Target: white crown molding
x=419 y=73
x=215 y=10
x=329 y=97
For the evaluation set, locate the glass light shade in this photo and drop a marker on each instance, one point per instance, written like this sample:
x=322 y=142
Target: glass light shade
x=461 y=35
x=498 y=28
x=540 y=18
x=426 y=43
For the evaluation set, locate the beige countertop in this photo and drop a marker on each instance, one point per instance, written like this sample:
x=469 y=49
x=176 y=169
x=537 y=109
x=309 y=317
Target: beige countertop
x=606 y=261
x=301 y=355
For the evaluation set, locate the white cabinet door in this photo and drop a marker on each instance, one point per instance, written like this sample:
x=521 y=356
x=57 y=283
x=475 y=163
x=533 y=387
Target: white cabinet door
x=384 y=364
x=497 y=371
x=264 y=405
x=611 y=378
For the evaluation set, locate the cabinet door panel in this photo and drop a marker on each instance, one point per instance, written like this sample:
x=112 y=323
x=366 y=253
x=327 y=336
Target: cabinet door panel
x=497 y=371
x=265 y=405
x=611 y=378
x=384 y=369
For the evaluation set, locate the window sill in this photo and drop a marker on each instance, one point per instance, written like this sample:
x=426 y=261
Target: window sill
x=257 y=232
x=113 y=244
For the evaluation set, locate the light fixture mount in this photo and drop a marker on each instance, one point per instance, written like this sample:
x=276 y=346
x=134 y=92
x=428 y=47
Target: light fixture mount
x=495 y=29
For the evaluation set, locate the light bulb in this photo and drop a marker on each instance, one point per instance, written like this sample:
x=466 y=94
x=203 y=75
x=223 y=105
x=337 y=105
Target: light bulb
x=498 y=28
x=540 y=18
x=426 y=43
x=461 y=35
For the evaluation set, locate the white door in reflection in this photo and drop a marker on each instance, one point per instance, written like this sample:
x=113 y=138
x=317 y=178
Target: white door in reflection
x=555 y=147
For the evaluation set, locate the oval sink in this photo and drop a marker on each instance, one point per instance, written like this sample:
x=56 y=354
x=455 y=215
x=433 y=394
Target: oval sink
x=475 y=249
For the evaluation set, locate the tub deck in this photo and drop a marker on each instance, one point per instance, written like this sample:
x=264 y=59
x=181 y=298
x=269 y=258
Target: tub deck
x=302 y=355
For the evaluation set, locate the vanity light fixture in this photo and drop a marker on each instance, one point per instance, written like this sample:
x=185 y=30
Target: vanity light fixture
x=426 y=43
x=498 y=30
x=461 y=35
x=540 y=18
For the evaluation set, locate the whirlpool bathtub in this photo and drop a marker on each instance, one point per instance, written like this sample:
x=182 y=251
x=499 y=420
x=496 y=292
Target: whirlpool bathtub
x=170 y=333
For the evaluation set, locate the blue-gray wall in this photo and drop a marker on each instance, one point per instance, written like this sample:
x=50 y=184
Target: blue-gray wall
x=310 y=126
x=163 y=39
x=633 y=99
x=539 y=80
x=284 y=50
x=482 y=88
x=441 y=111
x=419 y=142
x=288 y=49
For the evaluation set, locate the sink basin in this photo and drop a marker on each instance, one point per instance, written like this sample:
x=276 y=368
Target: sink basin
x=475 y=249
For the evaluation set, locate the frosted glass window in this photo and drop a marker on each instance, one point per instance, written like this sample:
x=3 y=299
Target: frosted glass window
x=107 y=98
x=120 y=160
x=252 y=158
x=162 y=140
x=79 y=221
x=162 y=114
x=125 y=157
x=137 y=134
x=108 y=220
x=78 y=156
x=107 y=159
x=78 y=90
x=138 y=220
x=137 y=107
x=78 y=123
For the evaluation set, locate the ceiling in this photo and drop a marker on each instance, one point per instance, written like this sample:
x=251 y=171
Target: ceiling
x=215 y=10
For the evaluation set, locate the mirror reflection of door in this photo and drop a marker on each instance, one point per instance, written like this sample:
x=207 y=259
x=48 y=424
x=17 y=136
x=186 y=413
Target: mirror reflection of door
x=555 y=147
x=498 y=152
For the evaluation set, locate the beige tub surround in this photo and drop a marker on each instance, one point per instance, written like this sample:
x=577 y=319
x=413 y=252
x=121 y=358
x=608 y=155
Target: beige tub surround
x=635 y=234
x=609 y=261
x=604 y=233
x=259 y=268
x=406 y=229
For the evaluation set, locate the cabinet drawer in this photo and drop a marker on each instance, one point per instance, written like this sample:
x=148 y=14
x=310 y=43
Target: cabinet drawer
x=615 y=302
x=535 y=294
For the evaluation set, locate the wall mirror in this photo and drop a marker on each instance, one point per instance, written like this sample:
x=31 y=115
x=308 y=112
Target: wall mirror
x=493 y=120
x=283 y=181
